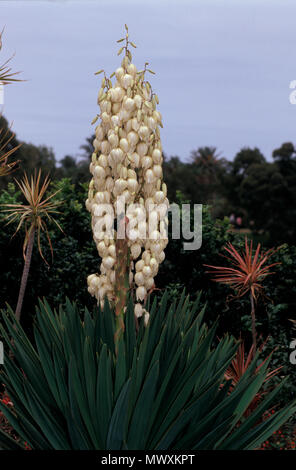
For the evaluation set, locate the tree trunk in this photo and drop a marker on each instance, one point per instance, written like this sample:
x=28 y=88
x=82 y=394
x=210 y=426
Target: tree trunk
x=25 y=275
x=254 y=334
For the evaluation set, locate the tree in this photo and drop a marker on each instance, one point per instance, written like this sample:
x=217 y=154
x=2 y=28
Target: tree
x=244 y=159
x=33 y=216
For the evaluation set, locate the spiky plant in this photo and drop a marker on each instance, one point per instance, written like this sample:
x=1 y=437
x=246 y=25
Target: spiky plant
x=244 y=361
x=6 y=74
x=71 y=391
x=6 y=167
x=246 y=275
x=33 y=217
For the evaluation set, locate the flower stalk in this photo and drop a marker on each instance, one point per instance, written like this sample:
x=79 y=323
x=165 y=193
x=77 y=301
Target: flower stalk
x=127 y=184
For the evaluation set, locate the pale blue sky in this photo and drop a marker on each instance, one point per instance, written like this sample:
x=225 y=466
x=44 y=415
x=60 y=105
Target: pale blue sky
x=223 y=68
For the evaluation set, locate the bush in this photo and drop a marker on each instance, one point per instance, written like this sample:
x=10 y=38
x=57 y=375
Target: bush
x=164 y=390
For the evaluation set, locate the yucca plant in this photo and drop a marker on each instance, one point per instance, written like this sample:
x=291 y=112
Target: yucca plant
x=70 y=390
x=246 y=275
x=33 y=217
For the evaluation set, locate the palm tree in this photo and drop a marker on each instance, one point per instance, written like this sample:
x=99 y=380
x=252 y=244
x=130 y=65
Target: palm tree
x=32 y=216
x=209 y=170
x=246 y=275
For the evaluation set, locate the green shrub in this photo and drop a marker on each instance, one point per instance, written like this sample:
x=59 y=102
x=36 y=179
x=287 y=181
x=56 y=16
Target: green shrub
x=162 y=391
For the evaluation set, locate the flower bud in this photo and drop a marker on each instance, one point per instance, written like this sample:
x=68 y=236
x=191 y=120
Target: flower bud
x=157 y=170
x=131 y=69
x=99 y=133
x=159 y=197
x=142 y=149
x=117 y=155
x=135 y=250
x=127 y=80
x=151 y=123
x=143 y=132
x=105 y=117
x=132 y=185
x=119 y=73
x=140 y=265
x=113 y=140
x=108 y=262
x=149 y=283
x=138 y=310
x=139 y=278
x=146 y=162
x=132 y=138
x=129 y=104
x=134 y=160
x=138 y=101
x=135 y=124
x=124 y=145
x=99 y=172
x=156 y=155
x=149 y=176
x=141 y=293
x=146 y=318
x=147 y=271
x=105 y=147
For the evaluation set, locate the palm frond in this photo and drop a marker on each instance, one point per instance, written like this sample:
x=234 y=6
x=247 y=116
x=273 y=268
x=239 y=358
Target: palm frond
x=6 y=74
x=7 y=167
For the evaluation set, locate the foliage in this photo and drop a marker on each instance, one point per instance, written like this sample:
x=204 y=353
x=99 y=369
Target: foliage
x=282 y=439
x=239 y=366
x=6 y=167
x=242 y=361
x=162 y=390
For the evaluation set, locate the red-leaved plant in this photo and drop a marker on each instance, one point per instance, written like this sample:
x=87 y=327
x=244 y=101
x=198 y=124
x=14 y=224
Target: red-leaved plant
x=238 y=367
x=246 y=275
